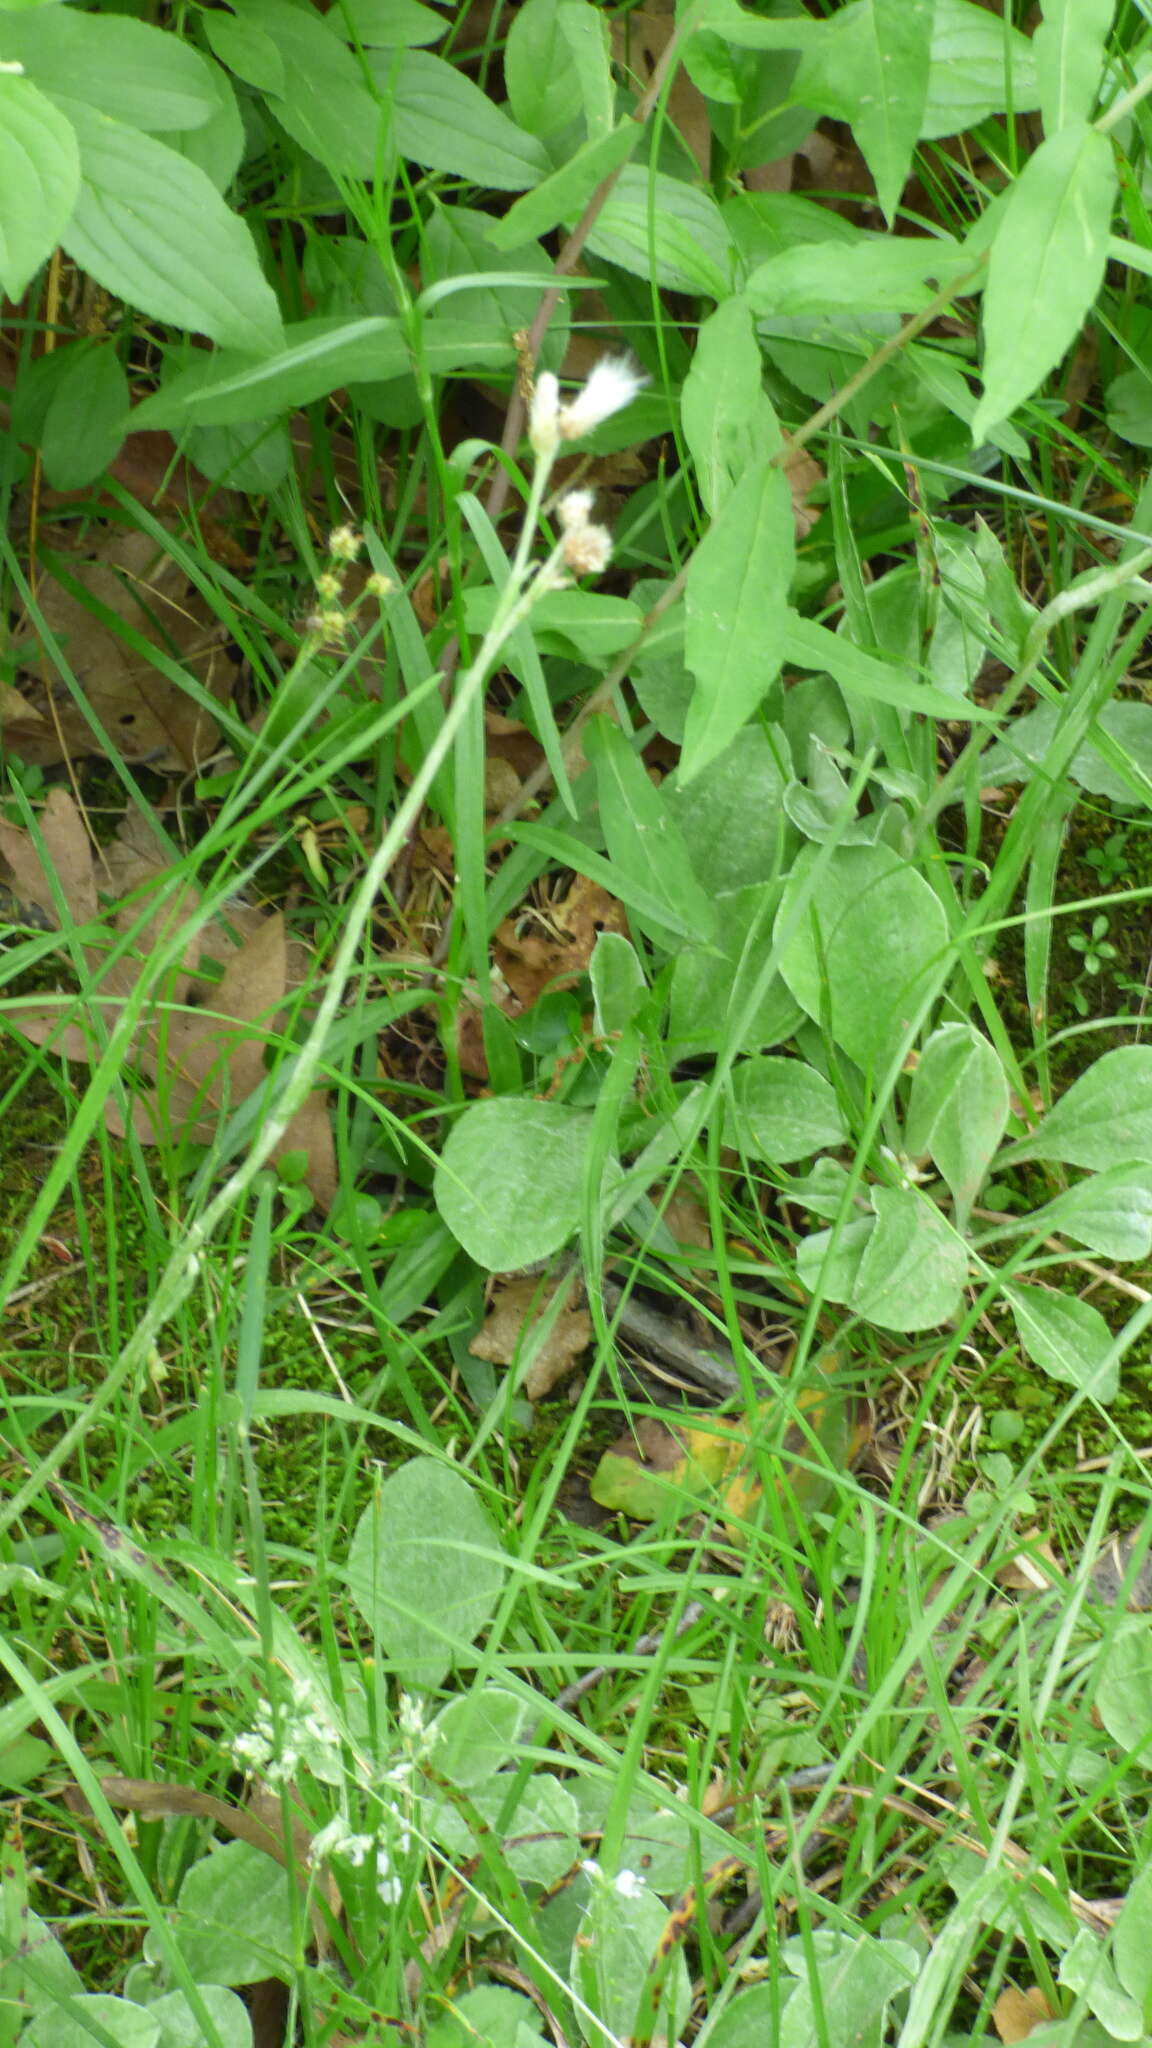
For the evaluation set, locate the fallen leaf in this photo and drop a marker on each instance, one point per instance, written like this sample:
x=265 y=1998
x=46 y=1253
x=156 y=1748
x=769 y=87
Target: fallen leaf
x=551 y=948
x=1018 y=2013
x=146 y=716
x=199 y=1045
x=710 y=1465
x=513 y=1313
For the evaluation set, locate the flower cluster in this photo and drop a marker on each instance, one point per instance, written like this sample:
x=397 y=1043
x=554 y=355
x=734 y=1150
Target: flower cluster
x=331 y=621
x=337 y=1843
x=586 y=548
x=302 y=1734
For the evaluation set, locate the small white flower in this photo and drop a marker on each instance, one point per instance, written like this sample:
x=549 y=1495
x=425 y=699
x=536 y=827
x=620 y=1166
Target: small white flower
x=337 y=1840
x=390 y=1891
x=412 y=1721
x=544 y=417
x=628 y=1884
x=591 y=1868
x=612 y=385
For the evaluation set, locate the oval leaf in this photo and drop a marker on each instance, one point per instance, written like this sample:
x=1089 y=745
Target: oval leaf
x=958 y=1109
x=425 y=1569
x=1104 y=1119
x=1067 y=1337
x=781 y=1110
x=510 y=1182
x=912 y=1274
x=866 y=951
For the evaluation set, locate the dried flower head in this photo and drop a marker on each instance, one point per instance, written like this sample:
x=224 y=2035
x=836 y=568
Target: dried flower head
x=574 y=510
x=587 y=550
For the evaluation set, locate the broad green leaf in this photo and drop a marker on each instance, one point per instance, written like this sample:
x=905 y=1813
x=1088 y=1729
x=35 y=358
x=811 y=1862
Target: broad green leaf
x=1132 y=1938
x=442 y=121
x=234 y=1919
x=476 y=1734
x=246 y=48
x=1069 y=48
x=256 y=457
x=323 y=100
x=1110 y=1212
x=587 y=51
x=542 y=84
x=1086 y=1970
x=737 y=605
x=912 y=1274
x=580 y=625
x=810 y=645
x=389 y=24
x=489 y=2017
x=866 y=951
x=659 y=228
x=510 y=1180
x=180 y=2028
x=731 y=816
x=1127 y=722
x=87 y=415
x=1104 y=1118
x=980 y=66
x=750 y=31
x=858 y=1979
x=152 y=228
x=218 y=144
x=425 y=1569
x=562 y=194
x=39 y=181
x=1046 y=266
x=611 y=1959
x=618 y=984
x=123 y=68
x=830 y=1260
x=1067 y=1337
x=712 y=985
x=1129 y=400
x=958 y=1110
x=813 y=279
x=871 y=69
x=642 y=835
x=456 y=246
x=317 y=356
x=781 y=1110
x=130 y=2026
x=728 y=419
x=1124 y=1688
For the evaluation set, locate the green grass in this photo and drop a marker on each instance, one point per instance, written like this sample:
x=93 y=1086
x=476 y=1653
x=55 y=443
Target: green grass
x=871 y=1727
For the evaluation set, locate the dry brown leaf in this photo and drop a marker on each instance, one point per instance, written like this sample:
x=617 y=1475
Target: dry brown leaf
x=639 y=39
x=1018 y=2013
x=536 y=955
x=147 y=717
x=516 y=1305
x=70 y=856
x=202 y=1061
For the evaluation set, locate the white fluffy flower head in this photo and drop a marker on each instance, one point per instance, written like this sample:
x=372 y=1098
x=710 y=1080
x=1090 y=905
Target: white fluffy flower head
x=613 y=384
